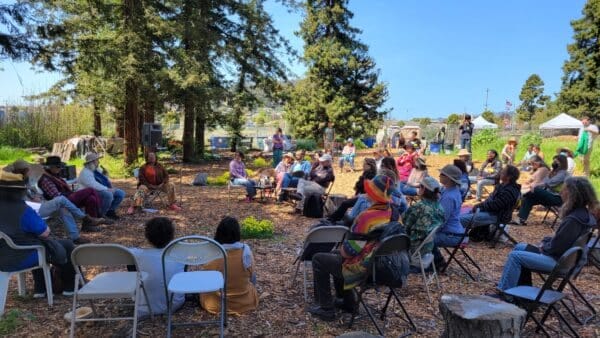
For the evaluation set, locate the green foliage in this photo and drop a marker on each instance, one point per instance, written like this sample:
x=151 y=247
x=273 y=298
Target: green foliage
x=530 y=138
x=10 y=321
x=260 y=118
x=9 y=154
x=484 y=137
x=532 y=98
x=306 y=144
x=112 y=164
x=260 y=162
x=490 y=116
x=342 y=83
x=422 y=121
x=254 y=228
x=453 y=119
x=219 y=180
x=359 y=144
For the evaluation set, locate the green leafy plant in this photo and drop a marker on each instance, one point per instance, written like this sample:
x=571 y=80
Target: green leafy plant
x=530 y=138
x=359 y=144
x=260 y=162
x=9 y=322
x=9 y=154
x=306 y=144
x=219 y=180
x=255 y=228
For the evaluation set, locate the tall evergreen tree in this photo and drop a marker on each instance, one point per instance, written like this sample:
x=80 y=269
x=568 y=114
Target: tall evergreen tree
x=532 y=98
x=342 y=84
x=580 y=90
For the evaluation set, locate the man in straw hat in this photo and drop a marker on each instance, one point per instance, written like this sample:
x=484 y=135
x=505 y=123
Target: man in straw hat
x=25 y=227
x=348 y=267
x=90 y=177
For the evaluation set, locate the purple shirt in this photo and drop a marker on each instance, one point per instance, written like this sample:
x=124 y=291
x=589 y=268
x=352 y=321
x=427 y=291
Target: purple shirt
x=277 y=141
x=237 y=169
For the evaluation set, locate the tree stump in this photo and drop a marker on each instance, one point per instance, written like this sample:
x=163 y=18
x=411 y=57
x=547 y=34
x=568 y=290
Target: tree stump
x=480 y=316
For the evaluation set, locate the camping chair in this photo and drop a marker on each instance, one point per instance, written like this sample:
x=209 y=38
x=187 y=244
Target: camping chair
x=387 y=247
x=462 y=245
x=554 y=210
x=152 y=194
x=323 y=239
x=195 y=250
x=106 y=285
x=6 y=275
x=531 y=298
x=501 y=230
x=424 y=262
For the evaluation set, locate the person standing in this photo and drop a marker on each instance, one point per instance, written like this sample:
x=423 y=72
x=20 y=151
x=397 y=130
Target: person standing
x=329 y=137
x=466 y=132
x=585 y=143
x=277 y=147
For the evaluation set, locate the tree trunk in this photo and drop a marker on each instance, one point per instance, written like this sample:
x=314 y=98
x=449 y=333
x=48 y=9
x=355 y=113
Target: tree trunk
x=131 y=133
x=97 y=118
x=200 y=125
x=480 y=316
x=188 y=129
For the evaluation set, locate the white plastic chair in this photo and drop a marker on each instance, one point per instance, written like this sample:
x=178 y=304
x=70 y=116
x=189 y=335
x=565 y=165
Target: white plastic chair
x=424 y=262
x=107 y=285
x=195 y=250
x=334 y=234
x=6 y=275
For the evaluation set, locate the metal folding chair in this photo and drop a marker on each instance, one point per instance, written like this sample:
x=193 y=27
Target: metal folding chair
x=322 y=235
x=194 y=251
x=554 y=210
x=462 y=245
x=424 y=262
x=6 y=275
x=389 y=246
x=531 y=298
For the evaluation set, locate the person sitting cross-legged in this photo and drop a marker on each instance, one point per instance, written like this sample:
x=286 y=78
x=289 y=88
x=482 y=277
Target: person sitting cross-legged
x=241 y=279
x=159 y=231
x=451 y=232
x=498 y=207
x=318 y=180
x=578 y=217
x=424 y=215
x=546 y=193
x=153 y=176
x=90 y=177
x=348 y=267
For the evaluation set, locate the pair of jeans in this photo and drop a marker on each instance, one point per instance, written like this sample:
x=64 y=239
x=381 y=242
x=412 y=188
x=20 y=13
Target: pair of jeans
x=327 y=264
x=67 y=212
x=538 y=196
x=110 y=200
x=519 y=259
x=339 y=213
x=87 y=198
x=249 y=184
x=465 y=143
x=346 y=158
x=481 y=218
x=444 y=240
x=483 y=182
x=407 y=189
x=67 y=272
x=277 y=154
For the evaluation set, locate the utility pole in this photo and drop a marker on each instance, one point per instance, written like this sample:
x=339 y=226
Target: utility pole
x=487 y=91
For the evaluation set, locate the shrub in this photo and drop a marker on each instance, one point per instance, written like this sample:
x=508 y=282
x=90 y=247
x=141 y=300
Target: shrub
x=484 y=138
x=359 y=144
x=306 y=144
x=530 y=138
x=260 y=162
x=10 y=154
x=254 y=228
x=219 y=180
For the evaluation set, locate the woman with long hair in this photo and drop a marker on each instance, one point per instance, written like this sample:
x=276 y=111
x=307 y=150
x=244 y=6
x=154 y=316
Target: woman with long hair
x=465 y=182
x=578 y=214
x=539 y=174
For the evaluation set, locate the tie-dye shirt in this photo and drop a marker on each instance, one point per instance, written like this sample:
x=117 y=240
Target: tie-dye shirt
x=359 y=251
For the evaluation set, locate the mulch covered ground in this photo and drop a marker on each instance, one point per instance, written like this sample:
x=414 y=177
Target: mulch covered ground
x=282 y=309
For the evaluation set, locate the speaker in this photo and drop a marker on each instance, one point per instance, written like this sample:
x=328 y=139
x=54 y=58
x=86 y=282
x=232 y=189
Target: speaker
x=68 y=172
x=152 y=134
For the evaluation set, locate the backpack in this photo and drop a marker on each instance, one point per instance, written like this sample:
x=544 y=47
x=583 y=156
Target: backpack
x=313 y=206
x=392 y=270
x=200 y=180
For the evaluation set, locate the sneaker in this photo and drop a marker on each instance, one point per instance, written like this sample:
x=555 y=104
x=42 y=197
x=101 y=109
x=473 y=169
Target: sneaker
x=107 y=221
x=90 y=228
x=68 y=293
x=327 y=315
x=112 y=215
x=81 y=240
x=518 y=221
x=174 y=207
x=88 y=220
x=39 y=295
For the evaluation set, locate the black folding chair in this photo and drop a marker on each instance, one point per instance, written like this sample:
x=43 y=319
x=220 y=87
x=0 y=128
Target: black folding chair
x=532 y=298
x=462 y=245
x=554 y=210
x=593 y=246
x=501 y=230
x=389 y=246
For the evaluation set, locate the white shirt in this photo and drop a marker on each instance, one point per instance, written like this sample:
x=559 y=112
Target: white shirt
x=570 y=165
x=86 y=180
x=149 y=261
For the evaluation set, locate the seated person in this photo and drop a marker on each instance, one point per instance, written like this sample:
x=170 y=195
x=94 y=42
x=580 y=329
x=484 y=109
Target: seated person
x=405 y=162
x=398 y=200
x=282 y=168
x=25 y=227
x=239 y=176
x=159 y=232
x=424 y=215
x=152 y=176
x=509 y=151
x=498 y=207
x=540 y=172
x=241 y=292
x=53 y=186
x=60 y=205
x=369 y=171
x=300 y=169
x=451 y=232
x=90 y=177
x=318 y=180
x=570 y=159
x=348 y=267
x=489 y=172
x=465 y=156
x=348 y=154
x=465 y=183
x=417 y=174
x=577 y=219
x=378 y=156
x=538 y=151
x=415 y=141
x=525 y=162
x=547 y=193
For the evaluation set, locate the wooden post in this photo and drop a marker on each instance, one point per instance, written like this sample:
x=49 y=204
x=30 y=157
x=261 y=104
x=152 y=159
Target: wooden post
x=480 y=316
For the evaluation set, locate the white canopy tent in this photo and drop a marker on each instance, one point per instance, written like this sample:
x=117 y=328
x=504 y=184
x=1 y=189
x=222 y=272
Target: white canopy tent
x=481 y=123
x=562 y=121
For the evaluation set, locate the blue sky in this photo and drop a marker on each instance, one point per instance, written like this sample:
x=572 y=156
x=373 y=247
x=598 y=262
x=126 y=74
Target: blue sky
x=437 y=57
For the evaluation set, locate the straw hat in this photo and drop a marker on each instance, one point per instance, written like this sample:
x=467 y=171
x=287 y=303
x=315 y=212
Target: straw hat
x=464 y=152
x=513 y=139
x=12 y=181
